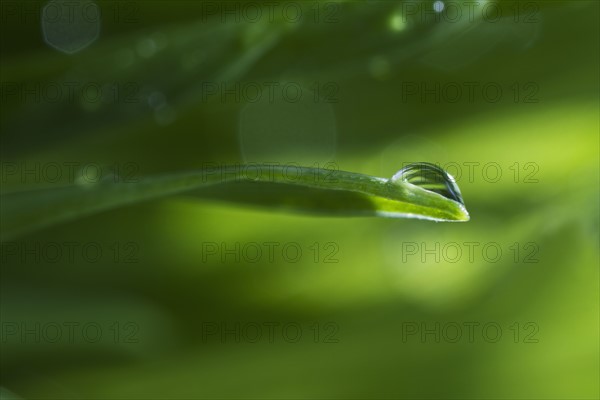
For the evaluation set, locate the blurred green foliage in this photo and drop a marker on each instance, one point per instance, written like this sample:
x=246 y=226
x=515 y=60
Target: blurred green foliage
x=542 y=133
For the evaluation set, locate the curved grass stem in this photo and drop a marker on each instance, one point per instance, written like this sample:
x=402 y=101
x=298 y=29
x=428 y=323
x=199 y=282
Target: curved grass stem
x=329 y=191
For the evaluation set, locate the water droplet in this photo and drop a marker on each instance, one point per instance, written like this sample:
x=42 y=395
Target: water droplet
x=430 y=177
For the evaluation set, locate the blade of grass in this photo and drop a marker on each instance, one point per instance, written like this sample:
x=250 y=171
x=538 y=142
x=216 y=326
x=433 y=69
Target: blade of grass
x=314 y=189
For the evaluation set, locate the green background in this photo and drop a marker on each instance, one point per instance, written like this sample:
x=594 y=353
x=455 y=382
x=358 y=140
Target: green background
x=354 y=61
